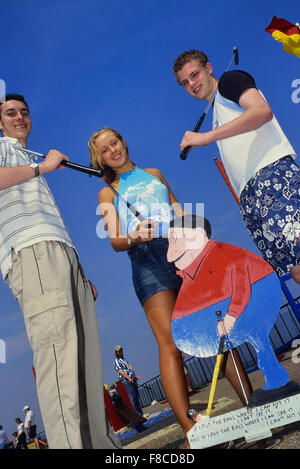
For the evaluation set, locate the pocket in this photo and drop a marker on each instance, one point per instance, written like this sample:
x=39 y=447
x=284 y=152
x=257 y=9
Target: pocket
x=137 y=251
x=83 y=275
x=49 y=319
x=15 y=276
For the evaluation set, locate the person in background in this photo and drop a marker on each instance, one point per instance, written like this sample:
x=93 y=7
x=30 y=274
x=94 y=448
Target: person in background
x=15 y=440
x=21 y=435
x=128 y=378
x=4 y=441
x=30 y=425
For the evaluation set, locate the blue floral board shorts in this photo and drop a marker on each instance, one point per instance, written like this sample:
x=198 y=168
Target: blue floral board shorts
x=151 y=272
x=270 y=208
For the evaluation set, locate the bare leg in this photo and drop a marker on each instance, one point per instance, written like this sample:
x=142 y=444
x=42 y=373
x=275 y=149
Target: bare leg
x=229 y=372
x=158 y=309
x=36 y=440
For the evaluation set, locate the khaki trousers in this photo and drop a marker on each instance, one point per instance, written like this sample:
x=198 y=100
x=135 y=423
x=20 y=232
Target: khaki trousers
x=62 y=328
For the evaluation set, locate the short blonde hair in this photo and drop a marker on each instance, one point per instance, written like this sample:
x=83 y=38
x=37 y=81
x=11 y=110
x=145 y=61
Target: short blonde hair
x=95 y=154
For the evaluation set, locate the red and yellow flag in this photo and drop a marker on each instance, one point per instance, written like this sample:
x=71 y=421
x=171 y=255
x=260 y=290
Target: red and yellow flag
x=287 y=33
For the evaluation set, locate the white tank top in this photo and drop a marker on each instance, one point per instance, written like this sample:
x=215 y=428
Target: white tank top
x=245 y=154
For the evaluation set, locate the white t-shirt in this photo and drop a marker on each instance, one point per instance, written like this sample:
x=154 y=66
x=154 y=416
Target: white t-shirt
x=20 y=428
x=29 y=418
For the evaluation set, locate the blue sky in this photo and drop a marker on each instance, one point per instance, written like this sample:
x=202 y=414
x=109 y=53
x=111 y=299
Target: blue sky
x=86 y=64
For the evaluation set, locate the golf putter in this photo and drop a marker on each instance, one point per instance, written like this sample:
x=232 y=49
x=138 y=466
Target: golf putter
x=215 y=376
x=230 y=347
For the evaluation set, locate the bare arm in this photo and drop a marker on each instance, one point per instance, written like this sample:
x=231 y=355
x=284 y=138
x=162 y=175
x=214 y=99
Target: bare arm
x=11 y=176
x=122 y=372
x=257 y=113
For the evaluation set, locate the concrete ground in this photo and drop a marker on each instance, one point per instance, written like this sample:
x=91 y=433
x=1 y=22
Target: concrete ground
x=166 y=433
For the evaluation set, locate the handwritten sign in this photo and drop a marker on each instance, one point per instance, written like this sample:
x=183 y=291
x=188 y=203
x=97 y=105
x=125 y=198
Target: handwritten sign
x=252 y=424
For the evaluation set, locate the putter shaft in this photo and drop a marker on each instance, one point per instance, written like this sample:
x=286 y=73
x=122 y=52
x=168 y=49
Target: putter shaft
x=234 y=362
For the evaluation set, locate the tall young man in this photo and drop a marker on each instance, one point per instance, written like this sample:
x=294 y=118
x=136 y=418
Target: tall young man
x=257 y=156
x=40 y=264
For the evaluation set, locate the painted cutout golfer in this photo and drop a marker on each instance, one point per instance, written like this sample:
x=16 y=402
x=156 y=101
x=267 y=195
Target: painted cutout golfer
x=219 y=277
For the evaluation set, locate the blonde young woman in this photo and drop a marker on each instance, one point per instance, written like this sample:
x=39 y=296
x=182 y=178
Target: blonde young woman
x=155 y=281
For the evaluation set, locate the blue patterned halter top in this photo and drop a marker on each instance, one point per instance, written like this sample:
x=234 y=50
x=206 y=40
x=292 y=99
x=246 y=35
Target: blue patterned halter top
x=149 y=196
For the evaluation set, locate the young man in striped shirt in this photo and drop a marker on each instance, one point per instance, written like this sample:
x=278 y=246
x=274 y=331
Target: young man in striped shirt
x=40 y=264
x=128 y=377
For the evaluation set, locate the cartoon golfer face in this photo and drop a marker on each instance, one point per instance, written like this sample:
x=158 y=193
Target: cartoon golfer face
x=185 y=244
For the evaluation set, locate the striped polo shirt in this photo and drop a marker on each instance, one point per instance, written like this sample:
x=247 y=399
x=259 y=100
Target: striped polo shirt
x=28 y=212
x=123 y=364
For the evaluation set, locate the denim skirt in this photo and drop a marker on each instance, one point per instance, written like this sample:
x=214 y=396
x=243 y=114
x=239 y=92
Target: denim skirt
x=151 y=272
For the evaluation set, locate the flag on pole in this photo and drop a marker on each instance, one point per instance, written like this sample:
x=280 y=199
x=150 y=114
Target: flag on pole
x=287 y=33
